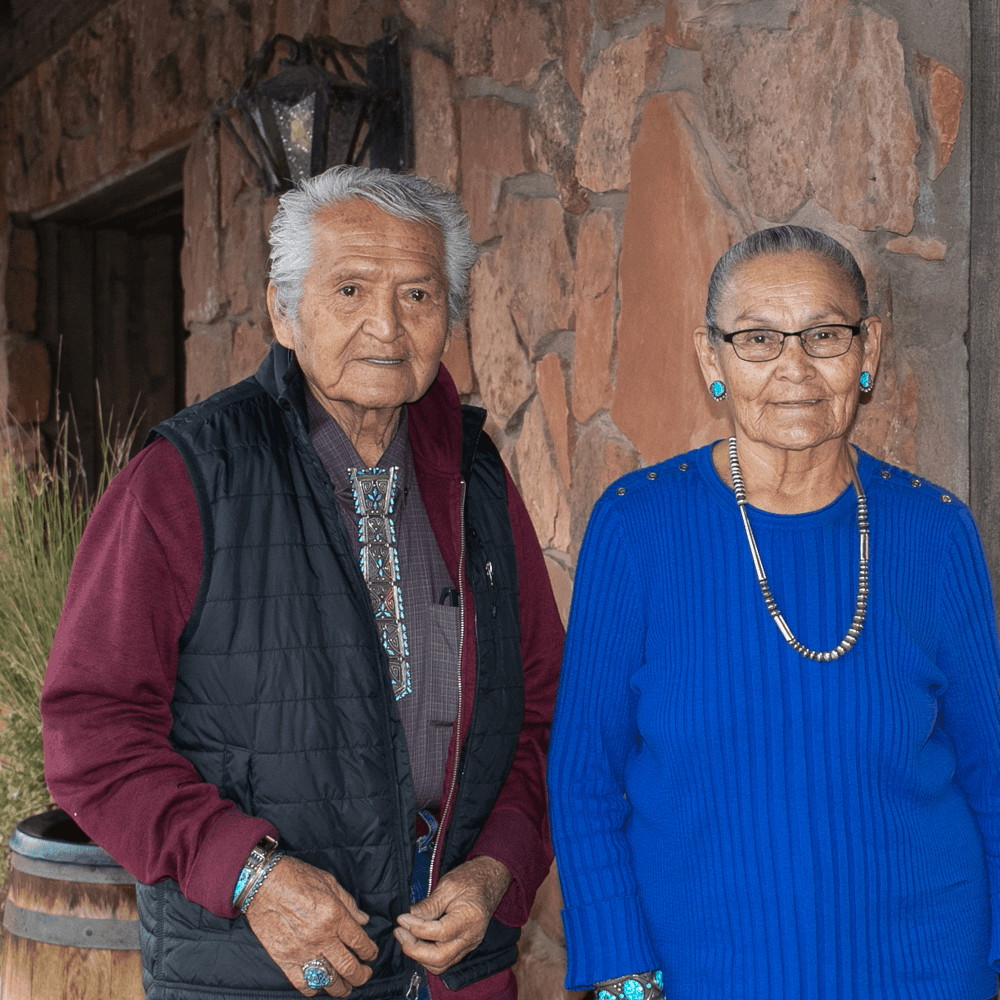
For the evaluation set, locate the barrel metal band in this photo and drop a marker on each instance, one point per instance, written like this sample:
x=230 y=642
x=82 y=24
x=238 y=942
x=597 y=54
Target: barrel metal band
x=95 y=874
x=71 y=932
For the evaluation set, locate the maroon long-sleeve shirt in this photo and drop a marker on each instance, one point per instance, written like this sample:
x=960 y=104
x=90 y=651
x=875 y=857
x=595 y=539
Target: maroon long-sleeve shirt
x=112 y=670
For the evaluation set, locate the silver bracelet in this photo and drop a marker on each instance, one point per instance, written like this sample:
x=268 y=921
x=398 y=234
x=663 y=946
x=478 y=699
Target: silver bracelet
x=638 y=986
x=259 y=880
x=261 y=854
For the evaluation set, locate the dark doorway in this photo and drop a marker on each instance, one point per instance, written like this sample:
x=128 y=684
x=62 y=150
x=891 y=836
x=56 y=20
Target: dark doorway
x=110 y=310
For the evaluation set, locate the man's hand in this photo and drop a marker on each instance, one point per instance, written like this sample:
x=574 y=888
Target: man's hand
x=301 y=913
x=452 y=920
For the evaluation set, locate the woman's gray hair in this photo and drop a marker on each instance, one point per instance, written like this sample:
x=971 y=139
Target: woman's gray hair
x=782 y=239
x=402 y=195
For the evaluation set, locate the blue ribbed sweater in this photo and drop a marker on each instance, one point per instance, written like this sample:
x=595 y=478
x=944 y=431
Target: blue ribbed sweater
x=755 y=824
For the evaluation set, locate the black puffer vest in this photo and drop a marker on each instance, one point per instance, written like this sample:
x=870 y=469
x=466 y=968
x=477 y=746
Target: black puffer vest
x=283 y=700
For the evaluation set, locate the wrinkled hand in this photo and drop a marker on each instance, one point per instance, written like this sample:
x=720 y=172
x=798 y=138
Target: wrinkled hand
x=300 y=913
x=451 y=921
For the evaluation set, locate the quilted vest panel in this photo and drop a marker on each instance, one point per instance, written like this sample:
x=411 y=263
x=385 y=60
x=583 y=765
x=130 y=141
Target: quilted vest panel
x=283 y=701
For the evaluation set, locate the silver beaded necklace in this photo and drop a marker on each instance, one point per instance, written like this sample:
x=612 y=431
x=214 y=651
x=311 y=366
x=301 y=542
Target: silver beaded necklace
x=861 y=604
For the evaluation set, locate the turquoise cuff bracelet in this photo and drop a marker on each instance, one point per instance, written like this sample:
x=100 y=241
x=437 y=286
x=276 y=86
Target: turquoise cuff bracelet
x=639 y=986
x=259 y=862
x=259 y=881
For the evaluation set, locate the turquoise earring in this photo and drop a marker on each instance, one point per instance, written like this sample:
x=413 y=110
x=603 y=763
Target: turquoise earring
x=718 y=390
x=867 y=382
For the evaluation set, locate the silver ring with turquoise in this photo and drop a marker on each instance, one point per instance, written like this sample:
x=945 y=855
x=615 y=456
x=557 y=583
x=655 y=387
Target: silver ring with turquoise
x=318 y=973
x=647 y=986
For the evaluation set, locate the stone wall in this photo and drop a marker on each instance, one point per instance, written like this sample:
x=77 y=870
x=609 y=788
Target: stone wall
x=607 y=152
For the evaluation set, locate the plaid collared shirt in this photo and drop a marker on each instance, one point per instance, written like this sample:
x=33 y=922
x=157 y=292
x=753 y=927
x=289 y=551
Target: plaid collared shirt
x=430 y=601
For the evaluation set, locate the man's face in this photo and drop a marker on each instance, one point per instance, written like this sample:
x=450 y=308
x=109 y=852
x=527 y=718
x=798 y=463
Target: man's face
x=373 y=317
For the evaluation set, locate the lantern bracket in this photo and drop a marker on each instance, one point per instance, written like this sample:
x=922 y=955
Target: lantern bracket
x=329 y=103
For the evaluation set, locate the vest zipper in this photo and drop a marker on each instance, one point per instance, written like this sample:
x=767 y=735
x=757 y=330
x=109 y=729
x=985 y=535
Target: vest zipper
x=493 y=595
x=458 y=718
x=414 y=989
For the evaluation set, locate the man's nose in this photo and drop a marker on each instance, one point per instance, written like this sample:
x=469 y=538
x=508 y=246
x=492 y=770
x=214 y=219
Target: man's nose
x=382 y=316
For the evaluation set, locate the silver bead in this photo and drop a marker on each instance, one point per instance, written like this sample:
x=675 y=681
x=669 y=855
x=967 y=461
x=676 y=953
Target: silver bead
x=861 y=602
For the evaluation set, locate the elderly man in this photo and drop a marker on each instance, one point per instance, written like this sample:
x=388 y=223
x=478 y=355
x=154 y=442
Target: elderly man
x=303 y=680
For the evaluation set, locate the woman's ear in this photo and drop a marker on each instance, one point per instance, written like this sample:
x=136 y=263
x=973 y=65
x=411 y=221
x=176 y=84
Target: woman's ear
x=707 y=357
x=872 y=343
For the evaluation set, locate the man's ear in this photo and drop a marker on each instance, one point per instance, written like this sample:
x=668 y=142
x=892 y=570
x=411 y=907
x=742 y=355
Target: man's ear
x=283 y=330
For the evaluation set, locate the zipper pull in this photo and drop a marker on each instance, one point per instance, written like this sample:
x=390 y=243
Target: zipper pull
x=414 y=988
x=493 y=606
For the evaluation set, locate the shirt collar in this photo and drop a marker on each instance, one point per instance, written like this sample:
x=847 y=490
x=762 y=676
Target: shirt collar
x=338 y=455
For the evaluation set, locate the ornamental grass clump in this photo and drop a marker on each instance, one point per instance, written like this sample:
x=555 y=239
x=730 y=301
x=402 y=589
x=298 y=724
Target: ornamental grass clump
x=44 y=507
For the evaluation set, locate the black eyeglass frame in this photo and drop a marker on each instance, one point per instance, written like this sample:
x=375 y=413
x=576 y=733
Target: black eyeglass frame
x=728 y=338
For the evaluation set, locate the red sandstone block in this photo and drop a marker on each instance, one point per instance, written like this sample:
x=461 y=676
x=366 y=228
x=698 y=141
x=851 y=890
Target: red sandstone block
x=535 y=267
x=552 y=393
x=594 y=298
x=29 y=379
x=435 y=136
x=542 y=489
x=23 y=250
x=503 y=374
x=494 y=147
x=941 y=92
x=21 y=300
x=675 y=229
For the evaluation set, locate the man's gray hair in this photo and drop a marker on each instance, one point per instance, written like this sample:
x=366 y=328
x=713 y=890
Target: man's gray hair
x=402 y=195
x=782 y=239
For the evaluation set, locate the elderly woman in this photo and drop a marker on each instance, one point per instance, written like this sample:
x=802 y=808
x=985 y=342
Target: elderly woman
x=775 y=763
x=306 y=665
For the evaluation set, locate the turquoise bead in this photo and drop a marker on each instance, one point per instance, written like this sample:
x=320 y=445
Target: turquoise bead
x=632 y=989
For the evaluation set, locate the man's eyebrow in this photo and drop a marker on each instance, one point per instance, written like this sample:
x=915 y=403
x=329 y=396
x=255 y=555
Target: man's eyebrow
x=362 y=272
x=425 y=279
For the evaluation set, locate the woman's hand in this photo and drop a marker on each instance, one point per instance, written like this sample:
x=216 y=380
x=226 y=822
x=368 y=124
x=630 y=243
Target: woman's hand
x=452 y=920
x=301 y=913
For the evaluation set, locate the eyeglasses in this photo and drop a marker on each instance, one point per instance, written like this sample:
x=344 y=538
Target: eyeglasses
x=828 y=341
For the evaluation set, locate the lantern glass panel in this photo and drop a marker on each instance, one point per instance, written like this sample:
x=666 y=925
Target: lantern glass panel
x=342 y=126
x=295 y=125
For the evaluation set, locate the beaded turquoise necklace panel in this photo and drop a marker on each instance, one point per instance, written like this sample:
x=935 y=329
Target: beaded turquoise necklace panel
x=374 y=492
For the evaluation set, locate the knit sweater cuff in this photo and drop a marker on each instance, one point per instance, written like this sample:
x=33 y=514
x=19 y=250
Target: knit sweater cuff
x=995 y=933
x=220 y=858
x=604 y=940
x=510 y=837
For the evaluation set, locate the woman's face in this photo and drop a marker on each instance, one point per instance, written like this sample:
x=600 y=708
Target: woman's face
x=794 y=402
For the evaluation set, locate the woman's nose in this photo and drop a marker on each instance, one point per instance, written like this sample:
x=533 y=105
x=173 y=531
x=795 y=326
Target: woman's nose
x=793 y=359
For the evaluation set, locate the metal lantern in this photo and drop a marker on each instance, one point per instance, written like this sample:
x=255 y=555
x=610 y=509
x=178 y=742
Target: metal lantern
x=308 y=117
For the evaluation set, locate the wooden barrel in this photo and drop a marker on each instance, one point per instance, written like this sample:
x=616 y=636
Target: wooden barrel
x=70 y=925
